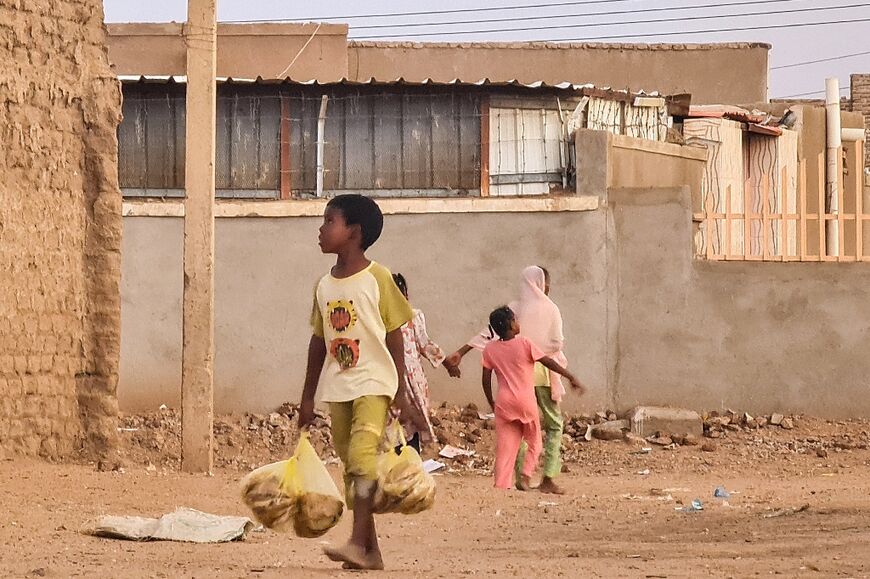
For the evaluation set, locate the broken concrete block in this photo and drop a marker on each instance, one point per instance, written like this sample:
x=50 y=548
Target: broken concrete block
x=648 y=420
x=611 y=430
x=776 y=419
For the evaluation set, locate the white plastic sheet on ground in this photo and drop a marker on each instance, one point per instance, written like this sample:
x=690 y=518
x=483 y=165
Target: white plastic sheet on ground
x=185 y=525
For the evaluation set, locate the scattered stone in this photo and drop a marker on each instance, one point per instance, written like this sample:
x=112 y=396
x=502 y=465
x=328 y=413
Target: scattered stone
x=445 y=437
x=787 y=423
x=821 y=453
x=690 y=440
x=761 y=421
x=633 y=439
x=776 y=419
x=708 y=446
x=661 y=440
x=786 y=512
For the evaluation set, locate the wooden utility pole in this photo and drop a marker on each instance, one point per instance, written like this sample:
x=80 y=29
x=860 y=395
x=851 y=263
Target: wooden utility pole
x=197 y=365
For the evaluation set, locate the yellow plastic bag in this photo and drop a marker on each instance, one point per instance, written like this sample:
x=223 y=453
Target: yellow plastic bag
x=403 y=485
x=297 y=493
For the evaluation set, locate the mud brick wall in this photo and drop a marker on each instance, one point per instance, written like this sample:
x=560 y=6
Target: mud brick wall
x=860 y=89
x=60 y=230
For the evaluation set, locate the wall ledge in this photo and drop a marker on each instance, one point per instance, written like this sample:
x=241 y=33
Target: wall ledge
x=657 y=147
x=315 y=207
x=288 y=29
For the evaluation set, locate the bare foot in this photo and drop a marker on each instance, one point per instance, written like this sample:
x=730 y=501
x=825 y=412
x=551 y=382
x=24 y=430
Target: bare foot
x=548 y=485
x=523 y=483
x=349 y=553
x=377 y=562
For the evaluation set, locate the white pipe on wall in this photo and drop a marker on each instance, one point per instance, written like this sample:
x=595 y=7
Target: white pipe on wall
x=833 y=152
x=851 y=135
x=321 y=141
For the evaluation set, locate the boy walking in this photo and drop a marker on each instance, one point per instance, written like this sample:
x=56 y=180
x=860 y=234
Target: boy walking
x=356 y=356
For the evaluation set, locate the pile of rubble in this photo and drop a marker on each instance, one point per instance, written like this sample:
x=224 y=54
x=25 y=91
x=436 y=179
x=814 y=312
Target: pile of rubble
x=246 y=441
x=717 y=425
x=240 y=441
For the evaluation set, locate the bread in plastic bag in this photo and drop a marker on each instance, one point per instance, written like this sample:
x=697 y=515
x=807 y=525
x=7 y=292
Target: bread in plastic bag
x=297 y=493
x=403 y=485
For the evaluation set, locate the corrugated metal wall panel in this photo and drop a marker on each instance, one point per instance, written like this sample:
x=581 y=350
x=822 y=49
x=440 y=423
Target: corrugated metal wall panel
x=391 y=139
x=417 y=140
x=151 y=140
x=468 y=147
x=357 y=146
x=248 y=137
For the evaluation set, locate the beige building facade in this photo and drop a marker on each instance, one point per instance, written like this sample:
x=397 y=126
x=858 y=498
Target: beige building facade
x=712 y=73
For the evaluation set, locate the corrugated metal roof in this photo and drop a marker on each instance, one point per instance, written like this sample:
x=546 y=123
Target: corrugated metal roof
x=585 y=89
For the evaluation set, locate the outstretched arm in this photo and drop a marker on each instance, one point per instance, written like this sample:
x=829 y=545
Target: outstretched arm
x=452 y=361
x=551 y=364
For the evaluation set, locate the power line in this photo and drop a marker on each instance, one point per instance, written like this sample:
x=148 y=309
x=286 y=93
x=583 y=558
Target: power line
x=708 y=31
x=433 y=12
x=803 y=94
x=590 y=24
x=564 y=16
x=795 y=64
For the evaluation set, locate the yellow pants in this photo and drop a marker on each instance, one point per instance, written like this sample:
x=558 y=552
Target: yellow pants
x=357 y=429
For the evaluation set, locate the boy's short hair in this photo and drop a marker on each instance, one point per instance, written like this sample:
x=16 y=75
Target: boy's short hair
x=363 y=211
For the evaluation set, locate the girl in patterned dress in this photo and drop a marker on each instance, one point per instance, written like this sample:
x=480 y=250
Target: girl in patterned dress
x=418 y=345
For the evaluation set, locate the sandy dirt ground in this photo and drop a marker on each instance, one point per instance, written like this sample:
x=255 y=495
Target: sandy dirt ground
x=798 y=508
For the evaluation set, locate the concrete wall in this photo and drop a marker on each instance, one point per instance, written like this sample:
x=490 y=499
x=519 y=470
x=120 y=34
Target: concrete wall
x=606 y=161
x=723 y=73
x=244 y=50
x=60 y=226
x=712 y=73
x=645 y=322
x=459 y=267
x=751 y=336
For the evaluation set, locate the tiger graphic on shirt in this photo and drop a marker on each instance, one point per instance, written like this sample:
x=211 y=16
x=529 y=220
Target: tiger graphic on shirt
x=342 y=317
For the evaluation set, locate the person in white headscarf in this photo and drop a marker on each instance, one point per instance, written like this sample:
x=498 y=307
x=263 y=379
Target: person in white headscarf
x=541 y=322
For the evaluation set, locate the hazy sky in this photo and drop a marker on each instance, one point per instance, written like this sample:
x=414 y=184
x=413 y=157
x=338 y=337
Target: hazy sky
x=790 y=45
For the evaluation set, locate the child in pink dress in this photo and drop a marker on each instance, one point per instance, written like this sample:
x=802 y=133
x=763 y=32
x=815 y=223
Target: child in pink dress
x=512 y=357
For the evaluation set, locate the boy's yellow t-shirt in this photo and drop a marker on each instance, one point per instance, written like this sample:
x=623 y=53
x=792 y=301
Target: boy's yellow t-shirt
x=353 y=316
